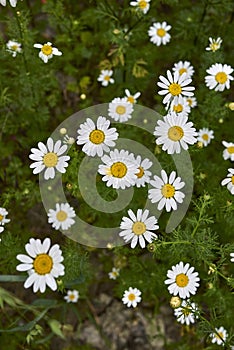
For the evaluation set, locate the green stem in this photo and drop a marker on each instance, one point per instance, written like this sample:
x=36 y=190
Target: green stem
x=199 y=219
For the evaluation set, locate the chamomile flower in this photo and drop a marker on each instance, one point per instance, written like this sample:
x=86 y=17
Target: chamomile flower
x=180 y=107
x=220 y=336
x=119 y=169
x=219 y=76
x=47 y=51
x=175 y=86
x=72 y=296
x=114 y=273
x=205 y=135
x=132 y=98
x=96 y=138
x=175 y=133
x=48 y=157
x=185 y=314
x=3 y=217
x=142 y=5
x=192 y=101
x=143 y=174
x=138 y=228
x=182 y=280
x=13 y=47
x=158 y=33
x=43 y=264
x=228 y=153
x=232 y=257
x=184 y=67
x=13 y=3
x=229 y=181
x=68 y=140
x=61 y=217
x=131 y=297
x=120 y=109
x=214 y=44
x=166 y=191
x=105 y=77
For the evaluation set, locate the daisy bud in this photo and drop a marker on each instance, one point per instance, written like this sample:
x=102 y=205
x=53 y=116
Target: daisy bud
x=83 y=96
x=175 y=302
x=63 y=131
x=200 y=144
x=231 y=106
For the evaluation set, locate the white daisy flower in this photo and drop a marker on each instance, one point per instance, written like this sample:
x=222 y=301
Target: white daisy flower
x=214 y=44
x=119 y=169
x=61 y=217
x=48 y=157
x=165 y=191
x=192 y=101
x=142 y=5
x=185 y=314
x=205 y=135
x=232 y=257
x=43 y=264
x=3 y=215
x=114 y=273
x=158 y=33
x=132 y=98
x=184 y=67
x=180 y=107
x=13 y=47
x=120 y=109
x=182 y=280
x=229 y=181
x=131 y=297
x=138 y=228
x=143 y=174
x=72 y=296
x=220 y=336
x=47 y=51
x=105 y=77
x=96 y=138
x=219 y=76
x=174 y=133
x=175 y=86
x=228 y=153
x=13 y=3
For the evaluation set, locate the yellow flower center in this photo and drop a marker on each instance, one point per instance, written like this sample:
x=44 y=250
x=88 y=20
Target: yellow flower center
x=221 y=77
x=1 y=217
x=118 y=169
x=175 y=89
x=142 y=4
x=219 y=336
x=131 y=99
x=61 y=215
x=182 y=70
x=71 y=296
x=43 y=264
x=178 y=108
x=214 y=47
x=168 y=191
x=50 y=159
x=187 y=311
x=175 y=133
x=47 y=49
x=138 y=228
x=107 y=77
x=131 y=297
x=230 y=149
x=161 y=32
x=97 y=137
x=182 y=280
x=205 y=137
x=189 y=100
x=141 y=172
x=14 y=47
x=120 y=110
x=233 y=179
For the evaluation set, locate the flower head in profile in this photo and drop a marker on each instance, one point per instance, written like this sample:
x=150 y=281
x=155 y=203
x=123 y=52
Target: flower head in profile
x=138 y=228
x=96 y=138
x=114 y=273
x=142 y=5
x=205 y=135
x=143 y=174
x=43 y=264
x=105 y=77
x=47 y=51
x=165 y=191
x=72 y=296
x=182 y=280
x=48 y=157
x=13 y=3
x=219 y=337
x=120 y=109
x=214 y=44
x=13 y=47
x=61 y=217
x=228 y=153
x=158 y=33
x=132 y=98
x=219 y=77
x=131 y=297
x=186 y=313
x=229 y=181
x=184 y=67
x=3 y=218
